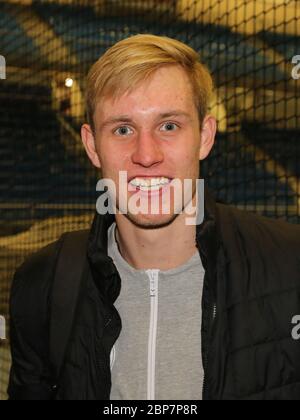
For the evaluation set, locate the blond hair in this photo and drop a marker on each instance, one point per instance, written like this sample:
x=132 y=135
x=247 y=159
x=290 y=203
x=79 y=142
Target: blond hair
x=134 y=59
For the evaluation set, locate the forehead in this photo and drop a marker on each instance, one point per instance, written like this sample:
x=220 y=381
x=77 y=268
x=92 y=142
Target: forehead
x=169 y=87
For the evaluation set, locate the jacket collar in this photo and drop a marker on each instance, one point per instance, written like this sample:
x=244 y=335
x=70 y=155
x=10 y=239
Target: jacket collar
x=103 y=268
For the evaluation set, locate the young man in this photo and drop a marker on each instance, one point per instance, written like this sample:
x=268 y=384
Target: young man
x=166 y=309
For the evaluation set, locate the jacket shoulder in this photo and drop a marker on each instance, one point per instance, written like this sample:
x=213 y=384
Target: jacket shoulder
x=262 y=255
x=31 y=287
x=269 y=236
x=32 y=278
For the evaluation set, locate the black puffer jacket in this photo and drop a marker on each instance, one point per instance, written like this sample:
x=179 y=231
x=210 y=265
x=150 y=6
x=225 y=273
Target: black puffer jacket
x=251 y=293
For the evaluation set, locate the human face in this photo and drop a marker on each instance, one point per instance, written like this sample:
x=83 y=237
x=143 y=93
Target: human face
x=151 y=132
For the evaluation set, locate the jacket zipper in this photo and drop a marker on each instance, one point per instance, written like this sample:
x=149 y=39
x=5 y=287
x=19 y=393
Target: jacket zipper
x=153 y=277
x=214 y=314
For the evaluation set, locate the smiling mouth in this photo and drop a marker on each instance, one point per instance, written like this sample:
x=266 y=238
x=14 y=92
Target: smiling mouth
x=149 y=184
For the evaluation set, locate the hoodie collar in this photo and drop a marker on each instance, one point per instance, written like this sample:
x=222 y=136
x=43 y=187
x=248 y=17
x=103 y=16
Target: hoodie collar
x=103 y=268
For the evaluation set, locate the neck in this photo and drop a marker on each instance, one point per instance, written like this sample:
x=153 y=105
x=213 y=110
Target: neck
x=164 y=248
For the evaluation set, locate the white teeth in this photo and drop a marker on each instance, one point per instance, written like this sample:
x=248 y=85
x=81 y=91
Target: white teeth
x=153 y=183
x=154 y=188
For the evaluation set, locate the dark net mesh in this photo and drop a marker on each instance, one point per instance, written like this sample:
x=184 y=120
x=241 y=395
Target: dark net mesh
x=48 y=187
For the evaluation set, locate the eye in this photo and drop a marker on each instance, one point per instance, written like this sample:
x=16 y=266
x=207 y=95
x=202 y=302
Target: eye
x=170 y=126
x=123 y=131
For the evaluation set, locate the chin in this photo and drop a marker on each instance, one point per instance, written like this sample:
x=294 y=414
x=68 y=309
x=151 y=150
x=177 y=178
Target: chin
x=151 y=221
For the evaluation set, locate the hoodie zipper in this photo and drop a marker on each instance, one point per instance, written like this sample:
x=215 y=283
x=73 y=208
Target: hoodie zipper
x=153 y=277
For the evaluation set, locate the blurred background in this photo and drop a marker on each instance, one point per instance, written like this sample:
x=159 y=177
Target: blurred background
x=47 y=185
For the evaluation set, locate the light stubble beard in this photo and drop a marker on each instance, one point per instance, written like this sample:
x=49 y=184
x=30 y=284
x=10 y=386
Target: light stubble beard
x=138 y=221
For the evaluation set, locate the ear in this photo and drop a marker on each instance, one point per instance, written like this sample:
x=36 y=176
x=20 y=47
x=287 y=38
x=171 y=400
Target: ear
x=88 y=141
x=208 y=133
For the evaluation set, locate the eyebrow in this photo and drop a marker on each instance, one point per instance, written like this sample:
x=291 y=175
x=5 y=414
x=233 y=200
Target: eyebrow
x=127 y=119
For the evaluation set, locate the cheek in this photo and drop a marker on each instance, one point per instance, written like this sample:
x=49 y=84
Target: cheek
x=114 y=161
x=186 y=158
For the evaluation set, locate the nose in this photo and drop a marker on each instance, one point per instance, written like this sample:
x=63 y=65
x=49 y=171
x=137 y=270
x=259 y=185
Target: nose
x=147 y=152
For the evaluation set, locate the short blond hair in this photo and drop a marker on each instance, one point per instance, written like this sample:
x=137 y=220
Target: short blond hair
x=133 y=60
